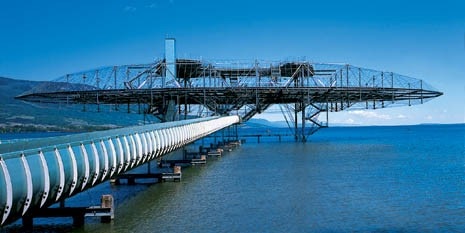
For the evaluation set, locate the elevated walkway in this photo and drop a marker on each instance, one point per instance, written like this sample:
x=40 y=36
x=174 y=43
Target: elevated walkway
x=37 y=173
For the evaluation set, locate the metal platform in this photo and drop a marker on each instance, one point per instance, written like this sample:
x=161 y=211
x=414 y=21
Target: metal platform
x=301 y=89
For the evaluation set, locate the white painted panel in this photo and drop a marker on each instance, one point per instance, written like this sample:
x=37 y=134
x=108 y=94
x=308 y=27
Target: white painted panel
x=185 y=136
x=169 y=136
x=85 y=157
x=162 y=142
x=105 y=160
x=120 y=153
x=45 y=178
x=174 y=139
x=177 y=137
x=127 y=153
x=139 y=148
x=29 y=187
x=158 y=143
x=180 y=135
x=96 y=163
x=182 y=138
x=9 y=191
x=113 y=157
x=61 y=172
x=74 y=170
x=148 y=141
x=144 y=147
x=185 y=130
x=196 y=130
x=133 y=146
x=190 y=133
x=149 y=144
x=186 y=133
x=154 y=144
x=165 y=141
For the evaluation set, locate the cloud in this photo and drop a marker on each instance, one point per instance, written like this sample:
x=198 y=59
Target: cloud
x=370 y=114
x=153 y=5
x=349 y=121
x=130 y=9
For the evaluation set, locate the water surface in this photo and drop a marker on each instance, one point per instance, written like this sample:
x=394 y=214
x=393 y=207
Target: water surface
x=364 y=179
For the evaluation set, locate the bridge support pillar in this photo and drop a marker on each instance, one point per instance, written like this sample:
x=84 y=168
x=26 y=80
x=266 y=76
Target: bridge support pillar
x=28 y=222
x=78 y=220
x=105 y=211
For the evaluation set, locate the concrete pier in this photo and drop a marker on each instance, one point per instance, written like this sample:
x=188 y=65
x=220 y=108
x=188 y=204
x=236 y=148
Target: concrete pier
x=169 y=170
x=105 y=211
x=157 y=177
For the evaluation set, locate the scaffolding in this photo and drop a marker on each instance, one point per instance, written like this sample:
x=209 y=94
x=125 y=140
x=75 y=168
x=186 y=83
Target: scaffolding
x=302 y=89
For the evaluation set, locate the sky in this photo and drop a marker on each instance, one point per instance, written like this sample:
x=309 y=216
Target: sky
x=43 y=40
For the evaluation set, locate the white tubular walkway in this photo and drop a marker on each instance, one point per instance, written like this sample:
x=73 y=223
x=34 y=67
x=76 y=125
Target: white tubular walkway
x=37 y=173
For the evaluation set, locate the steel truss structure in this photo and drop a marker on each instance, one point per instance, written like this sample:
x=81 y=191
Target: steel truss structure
x=301 y=89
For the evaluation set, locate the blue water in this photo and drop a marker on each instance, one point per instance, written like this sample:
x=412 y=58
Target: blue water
x=354 y=179
x=15 y=137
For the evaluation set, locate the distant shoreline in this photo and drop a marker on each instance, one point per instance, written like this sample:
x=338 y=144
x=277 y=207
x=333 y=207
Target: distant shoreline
x=52 y=128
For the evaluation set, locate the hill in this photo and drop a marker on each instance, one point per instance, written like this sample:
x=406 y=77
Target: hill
x=20 y=116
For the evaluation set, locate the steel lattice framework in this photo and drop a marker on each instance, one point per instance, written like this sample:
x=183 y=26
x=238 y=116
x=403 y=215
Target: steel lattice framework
x=198 y=87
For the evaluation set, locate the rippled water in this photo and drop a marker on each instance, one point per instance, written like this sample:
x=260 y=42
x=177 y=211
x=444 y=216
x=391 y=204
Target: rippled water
x=382 y=179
